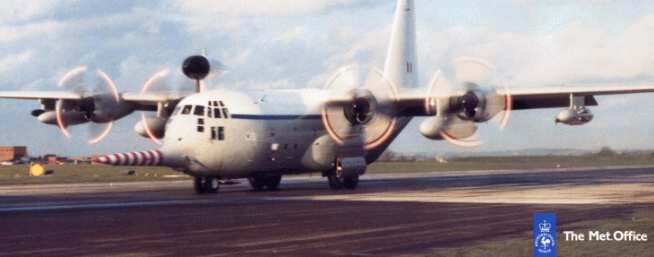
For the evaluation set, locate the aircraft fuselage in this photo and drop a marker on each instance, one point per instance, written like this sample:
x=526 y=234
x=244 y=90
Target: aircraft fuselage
x=234 y=134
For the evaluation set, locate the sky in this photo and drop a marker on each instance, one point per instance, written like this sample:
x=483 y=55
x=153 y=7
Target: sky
x=299 y=44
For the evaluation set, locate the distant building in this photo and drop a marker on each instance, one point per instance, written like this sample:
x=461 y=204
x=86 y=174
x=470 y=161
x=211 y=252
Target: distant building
x=12 y=153
x=53 y=159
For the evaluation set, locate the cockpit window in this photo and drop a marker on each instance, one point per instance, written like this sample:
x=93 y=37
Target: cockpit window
x=177 y=109
x=187 y=109
x=199 y=110
x=216 y=113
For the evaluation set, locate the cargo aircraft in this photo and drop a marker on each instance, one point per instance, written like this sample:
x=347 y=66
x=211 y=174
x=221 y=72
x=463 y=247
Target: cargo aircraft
x=337 y=130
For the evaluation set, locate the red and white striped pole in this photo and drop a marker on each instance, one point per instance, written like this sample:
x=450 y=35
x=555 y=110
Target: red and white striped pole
x=143 y=158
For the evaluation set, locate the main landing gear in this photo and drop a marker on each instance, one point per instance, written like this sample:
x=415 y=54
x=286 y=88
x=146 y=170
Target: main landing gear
x=346 y=173
x=260 y=183
x=337 y=180
x=206 y=185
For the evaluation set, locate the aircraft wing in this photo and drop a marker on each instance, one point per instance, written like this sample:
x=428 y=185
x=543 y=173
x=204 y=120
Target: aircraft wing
x=141 y=101
x=552 y=97
x=38 y=95
x=415 y=103
x=149 y=101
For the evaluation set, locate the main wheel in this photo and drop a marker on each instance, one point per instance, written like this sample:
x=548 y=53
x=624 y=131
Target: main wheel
x=337 y=180
x=198 y=183
x=211 y=185
x=257 y=183
x=351 y=182
x=335 y=183
x=272 y=182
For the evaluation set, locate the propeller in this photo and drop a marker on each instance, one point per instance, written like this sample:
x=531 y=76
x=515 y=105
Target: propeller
x=152 y=125
x=359 y=112
x=476 y=102
x=93 y=108
x=199 y=68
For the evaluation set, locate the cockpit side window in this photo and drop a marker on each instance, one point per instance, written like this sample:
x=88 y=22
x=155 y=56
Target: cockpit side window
x=199 y=110
x=187 y=109
x=216 y=113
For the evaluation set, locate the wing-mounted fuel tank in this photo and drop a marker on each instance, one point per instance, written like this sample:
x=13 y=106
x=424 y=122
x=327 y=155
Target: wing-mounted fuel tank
x=574 y=116
x=577 y=114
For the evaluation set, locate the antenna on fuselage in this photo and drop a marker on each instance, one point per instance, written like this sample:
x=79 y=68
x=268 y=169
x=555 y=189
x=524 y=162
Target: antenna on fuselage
x=197 y=68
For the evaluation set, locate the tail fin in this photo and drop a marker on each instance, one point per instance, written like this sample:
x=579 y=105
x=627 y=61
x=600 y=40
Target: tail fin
x=401 y=65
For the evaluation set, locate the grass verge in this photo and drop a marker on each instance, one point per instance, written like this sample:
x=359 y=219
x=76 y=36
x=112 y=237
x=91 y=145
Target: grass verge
x=641 y=221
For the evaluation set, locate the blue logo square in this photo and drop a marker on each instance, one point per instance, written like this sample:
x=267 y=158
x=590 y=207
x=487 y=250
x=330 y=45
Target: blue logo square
x=544 y=235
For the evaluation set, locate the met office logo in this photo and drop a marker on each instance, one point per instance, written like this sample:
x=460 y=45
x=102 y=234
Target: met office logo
x=544 y=235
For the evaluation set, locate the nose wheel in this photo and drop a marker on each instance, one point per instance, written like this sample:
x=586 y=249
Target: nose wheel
x=206 y=185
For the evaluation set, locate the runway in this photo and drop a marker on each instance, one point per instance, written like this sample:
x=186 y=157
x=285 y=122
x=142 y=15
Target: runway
x=389 y=215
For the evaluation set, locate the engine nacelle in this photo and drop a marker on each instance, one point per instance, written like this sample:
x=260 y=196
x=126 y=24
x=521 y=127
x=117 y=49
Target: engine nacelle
x=155 y=126
x=434 y=128
x=104 y=108
x=69 y=118
x=575 y=116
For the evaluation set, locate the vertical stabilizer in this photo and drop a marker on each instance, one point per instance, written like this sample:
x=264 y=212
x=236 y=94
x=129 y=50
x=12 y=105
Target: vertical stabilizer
x=401 y=65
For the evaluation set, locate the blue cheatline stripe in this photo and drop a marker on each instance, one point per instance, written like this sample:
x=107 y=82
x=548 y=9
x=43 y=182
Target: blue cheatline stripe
x=275 y=117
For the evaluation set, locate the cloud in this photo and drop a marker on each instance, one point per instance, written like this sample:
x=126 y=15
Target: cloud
x=15 y=11
x=236 y=8
x=10 y=65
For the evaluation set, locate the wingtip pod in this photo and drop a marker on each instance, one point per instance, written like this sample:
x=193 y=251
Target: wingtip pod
x=143 y=158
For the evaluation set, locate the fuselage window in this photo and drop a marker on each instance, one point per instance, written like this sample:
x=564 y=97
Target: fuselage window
x=200 y=129
x=218 y=133
x=221 y=133
x=199 y=110
x=187 y=109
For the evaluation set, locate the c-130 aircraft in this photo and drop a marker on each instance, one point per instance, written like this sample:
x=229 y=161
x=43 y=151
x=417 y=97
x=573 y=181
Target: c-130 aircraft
x=338 y=130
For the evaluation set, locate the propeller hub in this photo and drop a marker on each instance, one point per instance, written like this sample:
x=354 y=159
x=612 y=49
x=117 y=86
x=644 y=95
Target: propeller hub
x=360 y=116
x=361 y=110
x=469 y=102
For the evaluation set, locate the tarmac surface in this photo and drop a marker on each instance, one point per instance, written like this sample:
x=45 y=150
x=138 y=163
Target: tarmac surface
x=389 y=215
